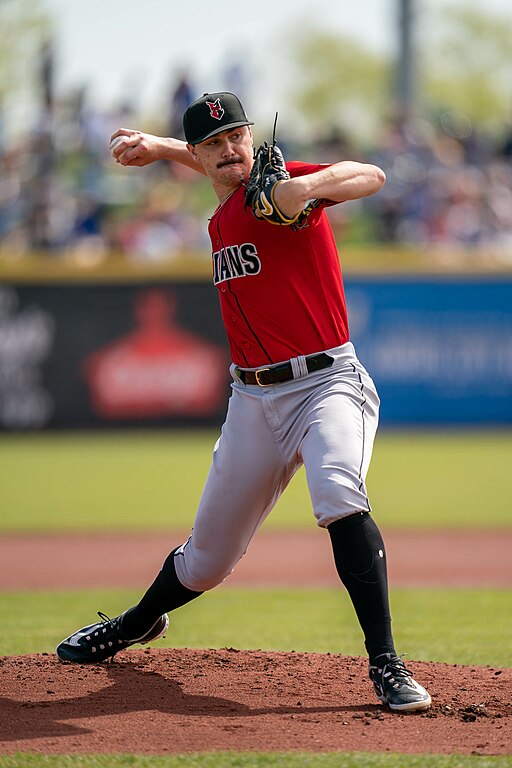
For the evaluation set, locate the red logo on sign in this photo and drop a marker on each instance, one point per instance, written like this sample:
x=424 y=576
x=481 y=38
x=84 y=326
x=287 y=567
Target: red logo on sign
x=157 y=370
x=216 y=110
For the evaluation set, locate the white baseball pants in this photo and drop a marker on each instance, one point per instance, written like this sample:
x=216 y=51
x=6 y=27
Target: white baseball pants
x=326 y=420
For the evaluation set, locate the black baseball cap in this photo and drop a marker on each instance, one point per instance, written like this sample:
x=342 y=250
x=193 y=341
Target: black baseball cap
x=211 y=114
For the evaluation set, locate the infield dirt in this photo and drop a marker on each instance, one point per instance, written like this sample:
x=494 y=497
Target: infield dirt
x=277 y=559
x=180 y=701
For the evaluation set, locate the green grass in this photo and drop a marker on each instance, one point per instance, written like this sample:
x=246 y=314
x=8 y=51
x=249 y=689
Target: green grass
x=256 y=760
x=454 y=626
x=141 y=480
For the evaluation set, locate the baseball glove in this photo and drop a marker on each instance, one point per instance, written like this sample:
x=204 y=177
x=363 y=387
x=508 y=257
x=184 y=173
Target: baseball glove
x=268 y=170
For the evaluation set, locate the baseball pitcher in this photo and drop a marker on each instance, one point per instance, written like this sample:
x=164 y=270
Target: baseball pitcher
x=300 y=396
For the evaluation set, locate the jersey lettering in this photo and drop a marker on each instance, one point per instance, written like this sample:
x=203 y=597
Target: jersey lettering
x=235 y=261
x=251 y=259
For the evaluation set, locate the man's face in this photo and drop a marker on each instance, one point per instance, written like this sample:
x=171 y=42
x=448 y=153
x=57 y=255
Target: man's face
x=226 y=157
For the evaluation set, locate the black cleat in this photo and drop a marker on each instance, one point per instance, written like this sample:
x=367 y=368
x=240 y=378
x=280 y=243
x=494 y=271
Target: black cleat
x=103 y=640
x=395 y=686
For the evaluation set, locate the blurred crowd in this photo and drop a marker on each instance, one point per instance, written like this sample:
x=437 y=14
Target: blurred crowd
x=447 y=186
x=61 y=194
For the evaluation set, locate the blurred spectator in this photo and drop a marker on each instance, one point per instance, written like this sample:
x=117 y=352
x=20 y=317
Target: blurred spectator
x=181 y=97
x=445 y=186
x=61 y=194
x=507 y=144
x=235 y=74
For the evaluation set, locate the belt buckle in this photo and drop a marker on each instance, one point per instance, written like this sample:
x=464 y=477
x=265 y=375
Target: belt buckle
x=257 y=375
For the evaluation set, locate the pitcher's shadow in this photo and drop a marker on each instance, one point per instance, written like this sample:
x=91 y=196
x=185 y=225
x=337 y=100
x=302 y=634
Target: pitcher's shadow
x=132 y=690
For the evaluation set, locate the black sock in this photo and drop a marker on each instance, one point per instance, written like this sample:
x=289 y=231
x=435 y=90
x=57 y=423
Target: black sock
x=360 y=560
x=164 y=595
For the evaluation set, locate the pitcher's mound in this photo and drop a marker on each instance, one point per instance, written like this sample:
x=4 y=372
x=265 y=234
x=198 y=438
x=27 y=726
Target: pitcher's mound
x=179 y=700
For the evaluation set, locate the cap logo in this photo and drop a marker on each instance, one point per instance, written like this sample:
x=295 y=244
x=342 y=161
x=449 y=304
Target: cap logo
x=216 y=111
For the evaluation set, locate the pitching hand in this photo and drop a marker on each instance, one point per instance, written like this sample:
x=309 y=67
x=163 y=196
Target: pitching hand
x=135 y=148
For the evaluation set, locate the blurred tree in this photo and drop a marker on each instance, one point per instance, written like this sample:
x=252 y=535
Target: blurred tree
x=25 y=30
x=340 y=83
x=466 y=64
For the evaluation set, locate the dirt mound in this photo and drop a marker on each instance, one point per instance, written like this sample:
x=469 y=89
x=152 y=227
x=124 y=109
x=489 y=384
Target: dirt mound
x=180 y=700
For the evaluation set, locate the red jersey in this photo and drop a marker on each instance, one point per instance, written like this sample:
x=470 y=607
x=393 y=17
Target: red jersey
x=281 y=291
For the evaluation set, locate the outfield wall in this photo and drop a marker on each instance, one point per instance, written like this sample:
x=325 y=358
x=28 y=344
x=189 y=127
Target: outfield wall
x=439 y=350
x=102 y=354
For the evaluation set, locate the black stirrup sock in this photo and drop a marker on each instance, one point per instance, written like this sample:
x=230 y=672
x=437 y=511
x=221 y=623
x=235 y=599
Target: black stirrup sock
x=164 y=595
x=360 y=560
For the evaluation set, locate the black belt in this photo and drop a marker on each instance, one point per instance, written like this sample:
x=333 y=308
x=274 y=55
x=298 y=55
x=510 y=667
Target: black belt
x=276 y=374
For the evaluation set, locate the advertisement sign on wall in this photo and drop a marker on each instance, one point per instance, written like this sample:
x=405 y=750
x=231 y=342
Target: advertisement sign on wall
x=439 y=351
x=79 y=356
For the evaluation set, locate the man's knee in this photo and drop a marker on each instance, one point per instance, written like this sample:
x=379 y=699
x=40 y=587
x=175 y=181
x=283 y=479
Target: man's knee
x=199 y=573
x=339 y=498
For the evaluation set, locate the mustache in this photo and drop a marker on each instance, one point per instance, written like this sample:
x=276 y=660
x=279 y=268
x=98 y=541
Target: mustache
x=232 y=161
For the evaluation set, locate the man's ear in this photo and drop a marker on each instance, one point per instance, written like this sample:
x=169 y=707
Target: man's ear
x=191 y=148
